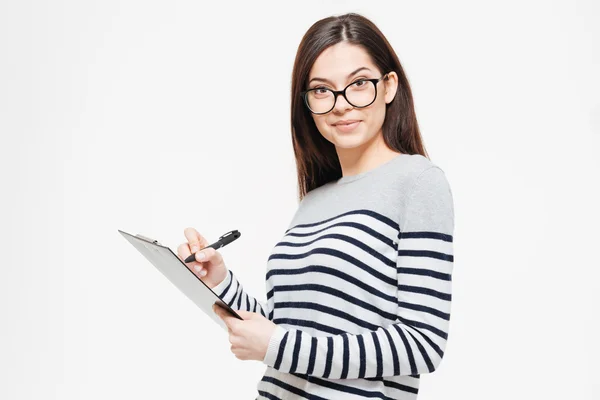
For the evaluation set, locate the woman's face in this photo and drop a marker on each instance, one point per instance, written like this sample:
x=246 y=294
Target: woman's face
x=335 y=68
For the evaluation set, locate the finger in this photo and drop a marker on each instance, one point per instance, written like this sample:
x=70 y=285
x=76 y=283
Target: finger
x=195 y=240
x=209 y=254
x=224 y=315
x=226 y=321
x=217 y=310
x=183 y=251
x=229 y=321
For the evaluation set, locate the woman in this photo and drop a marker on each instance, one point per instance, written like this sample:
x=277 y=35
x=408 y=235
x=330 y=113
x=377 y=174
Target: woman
x=359 y=287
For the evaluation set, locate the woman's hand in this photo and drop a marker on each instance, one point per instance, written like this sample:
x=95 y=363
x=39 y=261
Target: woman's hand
x=250 y=337
x=211 y=269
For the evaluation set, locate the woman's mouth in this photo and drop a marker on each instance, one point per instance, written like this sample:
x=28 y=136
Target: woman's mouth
x=347 y=127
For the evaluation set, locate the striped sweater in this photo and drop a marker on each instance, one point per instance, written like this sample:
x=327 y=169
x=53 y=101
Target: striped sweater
x=359 y=286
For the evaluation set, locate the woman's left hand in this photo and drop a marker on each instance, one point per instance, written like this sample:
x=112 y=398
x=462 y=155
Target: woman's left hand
x=249 y=337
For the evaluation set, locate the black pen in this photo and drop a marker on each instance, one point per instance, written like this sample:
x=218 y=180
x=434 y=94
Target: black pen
x=223 y=241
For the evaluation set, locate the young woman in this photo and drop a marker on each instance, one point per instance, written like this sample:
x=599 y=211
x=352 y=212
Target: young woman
x=359 y=287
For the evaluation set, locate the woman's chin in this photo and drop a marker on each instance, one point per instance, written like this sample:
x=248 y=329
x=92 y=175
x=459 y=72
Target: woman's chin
x=348 y=140
x=348 y=144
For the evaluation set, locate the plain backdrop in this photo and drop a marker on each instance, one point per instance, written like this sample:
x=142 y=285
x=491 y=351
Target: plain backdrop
x=152 y=116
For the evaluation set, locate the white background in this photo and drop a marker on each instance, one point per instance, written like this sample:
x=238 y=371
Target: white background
x=152 y=116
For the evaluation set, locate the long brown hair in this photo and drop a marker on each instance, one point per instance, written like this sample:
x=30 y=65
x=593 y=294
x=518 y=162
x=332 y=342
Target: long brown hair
x=317 y=162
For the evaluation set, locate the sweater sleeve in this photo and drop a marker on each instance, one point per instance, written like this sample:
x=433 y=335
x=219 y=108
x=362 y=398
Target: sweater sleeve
x=231 y=291
x=415 y=342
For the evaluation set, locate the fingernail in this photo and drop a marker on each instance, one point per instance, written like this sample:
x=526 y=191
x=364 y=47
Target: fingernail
x=200 y=256
x=203 y=273
x=194 y=249
x=197 y=268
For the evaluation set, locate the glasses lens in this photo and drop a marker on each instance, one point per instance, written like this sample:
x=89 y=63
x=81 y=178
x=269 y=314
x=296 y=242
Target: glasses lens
x=361 y=93
x=320 y=100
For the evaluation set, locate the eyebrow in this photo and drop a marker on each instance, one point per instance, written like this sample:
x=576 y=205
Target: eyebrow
x=349 y=75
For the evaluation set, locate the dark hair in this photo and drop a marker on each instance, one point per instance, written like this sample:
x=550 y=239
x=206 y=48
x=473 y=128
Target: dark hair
x=317 y=162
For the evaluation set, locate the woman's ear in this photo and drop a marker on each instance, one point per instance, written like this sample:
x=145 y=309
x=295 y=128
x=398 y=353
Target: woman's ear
x=391 y=86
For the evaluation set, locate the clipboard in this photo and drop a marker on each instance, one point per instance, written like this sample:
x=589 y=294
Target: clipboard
x=175 y=270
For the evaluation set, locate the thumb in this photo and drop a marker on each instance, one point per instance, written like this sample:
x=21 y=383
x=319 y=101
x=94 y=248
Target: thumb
x=245 y=314
x=220 y=313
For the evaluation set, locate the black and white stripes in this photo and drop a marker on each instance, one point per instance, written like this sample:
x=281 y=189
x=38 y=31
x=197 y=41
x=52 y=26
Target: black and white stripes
x=361 y=299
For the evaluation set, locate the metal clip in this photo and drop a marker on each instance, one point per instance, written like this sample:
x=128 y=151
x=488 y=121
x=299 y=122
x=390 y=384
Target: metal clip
x=147 y=239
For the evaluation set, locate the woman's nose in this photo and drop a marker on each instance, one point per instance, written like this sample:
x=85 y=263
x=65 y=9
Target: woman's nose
x=341 y=104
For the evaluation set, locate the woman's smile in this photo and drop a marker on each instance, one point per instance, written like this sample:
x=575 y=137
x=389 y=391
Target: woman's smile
x=346 y=127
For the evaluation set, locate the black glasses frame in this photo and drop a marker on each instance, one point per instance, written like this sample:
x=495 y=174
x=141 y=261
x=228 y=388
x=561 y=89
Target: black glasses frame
x=336 y=93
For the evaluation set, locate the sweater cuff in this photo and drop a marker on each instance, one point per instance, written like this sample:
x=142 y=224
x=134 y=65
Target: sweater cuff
x=274 y=343
x=222 y=285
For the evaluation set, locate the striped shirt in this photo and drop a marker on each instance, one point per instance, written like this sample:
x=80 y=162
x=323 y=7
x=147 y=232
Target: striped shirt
x=359 y=286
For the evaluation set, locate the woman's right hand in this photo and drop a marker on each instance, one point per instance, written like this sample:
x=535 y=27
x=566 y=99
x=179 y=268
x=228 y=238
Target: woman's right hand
x=211 y=269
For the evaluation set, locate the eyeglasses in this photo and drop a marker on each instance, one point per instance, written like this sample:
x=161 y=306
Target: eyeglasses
x=360 y=93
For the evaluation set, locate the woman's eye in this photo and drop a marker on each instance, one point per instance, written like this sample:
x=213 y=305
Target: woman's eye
x=359 y=83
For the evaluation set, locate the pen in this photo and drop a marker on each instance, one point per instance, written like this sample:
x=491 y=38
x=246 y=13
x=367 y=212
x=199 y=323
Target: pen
x=223 y=241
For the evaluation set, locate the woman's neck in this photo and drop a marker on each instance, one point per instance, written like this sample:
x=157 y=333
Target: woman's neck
x=365 y=158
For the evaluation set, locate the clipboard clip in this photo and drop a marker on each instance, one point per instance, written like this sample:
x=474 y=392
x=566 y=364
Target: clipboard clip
x=147 y=239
